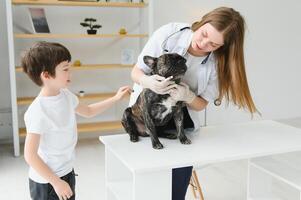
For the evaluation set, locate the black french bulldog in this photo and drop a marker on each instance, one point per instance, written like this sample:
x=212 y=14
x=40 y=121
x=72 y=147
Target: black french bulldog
x=153 y=110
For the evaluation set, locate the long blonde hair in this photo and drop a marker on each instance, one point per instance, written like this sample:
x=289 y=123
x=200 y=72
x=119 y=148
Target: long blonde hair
x=232 y=79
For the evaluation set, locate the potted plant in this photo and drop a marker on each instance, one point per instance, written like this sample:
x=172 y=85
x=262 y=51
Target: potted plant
x=90 y=22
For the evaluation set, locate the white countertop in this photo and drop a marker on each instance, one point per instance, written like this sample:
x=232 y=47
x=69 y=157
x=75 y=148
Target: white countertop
x=212 y=144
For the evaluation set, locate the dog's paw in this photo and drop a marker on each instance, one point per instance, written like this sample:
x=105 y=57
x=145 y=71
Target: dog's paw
x=134 y=138
x=171 y=136
x=185 y=140
x=158 y=146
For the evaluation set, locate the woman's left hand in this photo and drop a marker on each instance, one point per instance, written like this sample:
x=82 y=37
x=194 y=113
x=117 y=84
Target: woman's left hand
x=182 y=93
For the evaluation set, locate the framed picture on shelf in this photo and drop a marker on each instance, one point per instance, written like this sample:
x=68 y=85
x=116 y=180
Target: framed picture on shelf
x=38 y=20
x=127 y=57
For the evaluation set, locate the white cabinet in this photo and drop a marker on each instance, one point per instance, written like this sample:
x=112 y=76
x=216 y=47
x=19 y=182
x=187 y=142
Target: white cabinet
x=141 y=172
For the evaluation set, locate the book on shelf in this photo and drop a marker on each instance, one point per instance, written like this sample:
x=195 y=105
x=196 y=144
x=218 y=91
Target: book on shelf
x=38 y=20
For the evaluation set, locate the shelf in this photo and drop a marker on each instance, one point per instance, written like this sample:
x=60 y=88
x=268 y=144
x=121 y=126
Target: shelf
x=75 y=36
x=91 y=127
x=271 y=197
x=144 y=9
x=96 y=96
x=91 y=67
x=74 y=3
x=101 y=66
x=279 y=170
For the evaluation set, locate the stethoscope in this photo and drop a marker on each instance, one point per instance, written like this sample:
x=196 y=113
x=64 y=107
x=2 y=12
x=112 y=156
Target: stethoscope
x=217 y=102
x=163 y=45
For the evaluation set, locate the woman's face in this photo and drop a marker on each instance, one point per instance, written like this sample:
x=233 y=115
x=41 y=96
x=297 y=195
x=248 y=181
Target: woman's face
x=205 y=40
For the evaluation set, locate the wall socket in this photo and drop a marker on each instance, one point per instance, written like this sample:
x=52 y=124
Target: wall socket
x=5 y=123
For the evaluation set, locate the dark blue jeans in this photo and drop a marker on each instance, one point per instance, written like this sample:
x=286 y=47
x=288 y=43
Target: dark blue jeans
x=180 y=176
x=180 y=182
x=40 y=191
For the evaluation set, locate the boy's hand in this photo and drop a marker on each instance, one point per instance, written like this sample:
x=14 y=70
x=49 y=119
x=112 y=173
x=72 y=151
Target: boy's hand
x=123 y=92
x=62 y=189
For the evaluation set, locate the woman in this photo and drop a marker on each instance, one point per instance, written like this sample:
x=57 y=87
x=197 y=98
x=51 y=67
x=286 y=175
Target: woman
x=213 y=48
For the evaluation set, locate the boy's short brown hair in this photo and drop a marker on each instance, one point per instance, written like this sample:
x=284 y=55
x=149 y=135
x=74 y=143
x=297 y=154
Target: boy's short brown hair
x=43 y=57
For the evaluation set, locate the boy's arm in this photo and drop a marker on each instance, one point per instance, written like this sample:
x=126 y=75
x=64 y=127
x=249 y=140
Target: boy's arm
x=96 y=108
x=33 y=159
x=31 y=156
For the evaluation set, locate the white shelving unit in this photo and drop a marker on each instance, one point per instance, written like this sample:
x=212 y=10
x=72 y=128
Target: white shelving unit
x=17 y=100
x=275 y=177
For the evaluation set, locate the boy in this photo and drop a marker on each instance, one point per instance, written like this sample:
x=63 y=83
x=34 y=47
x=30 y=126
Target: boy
x=51 y=122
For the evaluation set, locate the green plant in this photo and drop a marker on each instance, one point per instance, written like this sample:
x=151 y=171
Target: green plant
x=89 y=22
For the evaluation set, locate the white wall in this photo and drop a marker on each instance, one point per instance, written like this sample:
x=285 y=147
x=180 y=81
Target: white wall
x=272 y=51
x=5 y=108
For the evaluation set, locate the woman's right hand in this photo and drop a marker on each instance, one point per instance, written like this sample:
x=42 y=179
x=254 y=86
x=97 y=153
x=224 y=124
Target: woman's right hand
x=157 y=84
x=62 y=189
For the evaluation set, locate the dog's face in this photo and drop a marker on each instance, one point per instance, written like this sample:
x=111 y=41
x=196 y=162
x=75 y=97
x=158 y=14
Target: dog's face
x=167 y=65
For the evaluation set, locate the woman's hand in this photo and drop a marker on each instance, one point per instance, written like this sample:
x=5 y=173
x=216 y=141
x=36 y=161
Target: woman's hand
x=62 y=189
x=157 y=84
x=182 y=93
x=123 y=92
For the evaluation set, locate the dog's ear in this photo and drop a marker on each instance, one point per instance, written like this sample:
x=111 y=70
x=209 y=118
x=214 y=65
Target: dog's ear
x=150 y=61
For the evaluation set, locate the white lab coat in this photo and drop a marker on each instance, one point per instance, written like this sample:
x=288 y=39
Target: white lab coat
x=207 y=84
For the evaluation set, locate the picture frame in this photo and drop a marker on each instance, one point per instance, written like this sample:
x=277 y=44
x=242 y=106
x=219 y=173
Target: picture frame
x=38 y=20
x=127 y=57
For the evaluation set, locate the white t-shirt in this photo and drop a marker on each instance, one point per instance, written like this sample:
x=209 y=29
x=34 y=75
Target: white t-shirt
x=193 y=66
x=55 y=120
x=201 y=81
